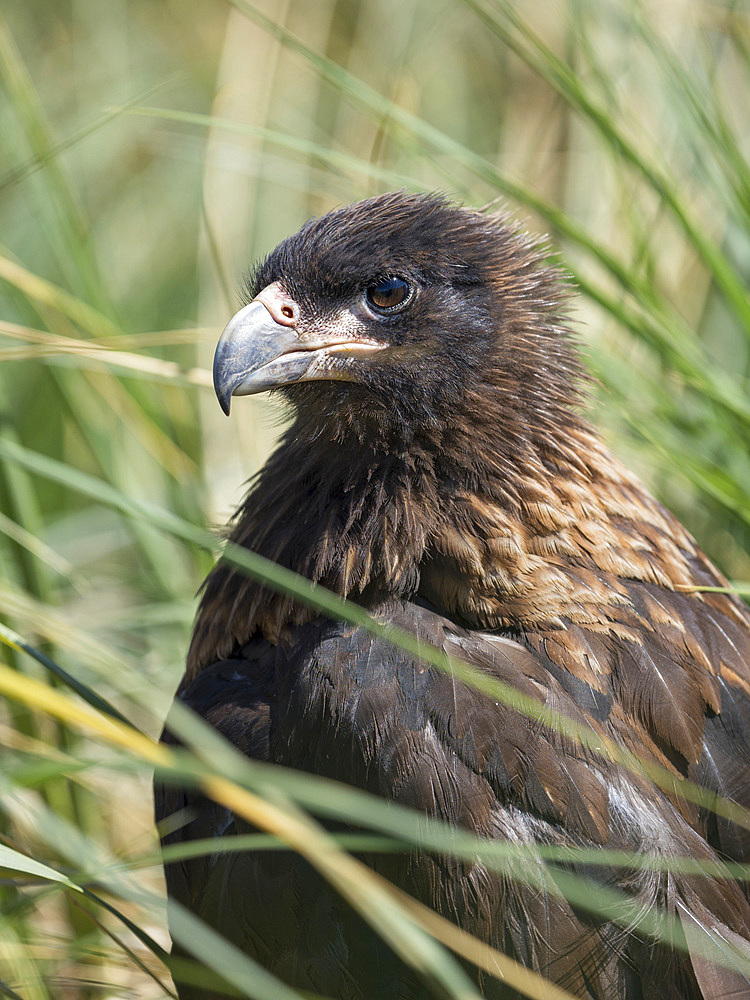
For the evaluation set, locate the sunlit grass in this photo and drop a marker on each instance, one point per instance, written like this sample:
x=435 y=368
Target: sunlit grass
x=149 y=153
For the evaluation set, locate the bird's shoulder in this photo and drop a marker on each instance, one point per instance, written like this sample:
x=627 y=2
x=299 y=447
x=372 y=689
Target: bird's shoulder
x=664 y=674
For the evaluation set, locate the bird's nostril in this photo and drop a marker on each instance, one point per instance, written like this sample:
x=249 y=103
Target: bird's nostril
x=278 y=302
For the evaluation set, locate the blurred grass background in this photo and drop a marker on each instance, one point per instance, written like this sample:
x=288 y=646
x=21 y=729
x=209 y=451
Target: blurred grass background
x=148 y=153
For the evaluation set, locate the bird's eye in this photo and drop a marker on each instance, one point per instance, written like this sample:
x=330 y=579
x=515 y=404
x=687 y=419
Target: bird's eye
x=389 y=295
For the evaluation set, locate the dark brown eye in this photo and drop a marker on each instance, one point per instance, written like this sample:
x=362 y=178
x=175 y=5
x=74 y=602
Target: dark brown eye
x=388 y=295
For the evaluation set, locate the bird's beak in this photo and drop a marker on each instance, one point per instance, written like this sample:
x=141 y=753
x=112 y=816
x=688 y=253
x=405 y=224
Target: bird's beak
x=253 y=339
x=261 y=348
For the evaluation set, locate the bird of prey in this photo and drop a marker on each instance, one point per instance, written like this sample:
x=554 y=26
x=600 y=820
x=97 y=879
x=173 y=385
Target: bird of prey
x=439 y=472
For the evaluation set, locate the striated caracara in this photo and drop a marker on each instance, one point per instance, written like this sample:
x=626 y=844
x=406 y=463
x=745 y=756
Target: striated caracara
x=438 y=472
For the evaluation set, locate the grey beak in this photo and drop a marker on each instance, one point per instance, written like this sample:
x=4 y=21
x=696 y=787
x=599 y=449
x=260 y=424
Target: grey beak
x=251 y=341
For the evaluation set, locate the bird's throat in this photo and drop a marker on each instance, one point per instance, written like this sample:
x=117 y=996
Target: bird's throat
x=354 y=521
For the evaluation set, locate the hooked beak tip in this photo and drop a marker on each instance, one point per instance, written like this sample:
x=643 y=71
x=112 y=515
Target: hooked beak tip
x=223 y=388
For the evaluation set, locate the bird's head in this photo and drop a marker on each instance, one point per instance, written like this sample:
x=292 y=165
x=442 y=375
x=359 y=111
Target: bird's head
x=401 y=310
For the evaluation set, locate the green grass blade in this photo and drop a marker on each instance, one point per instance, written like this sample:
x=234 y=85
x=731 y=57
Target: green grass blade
x=498 y=16
x=14 y=861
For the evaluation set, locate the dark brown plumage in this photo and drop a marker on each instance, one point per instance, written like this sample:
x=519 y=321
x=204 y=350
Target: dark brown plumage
x=437 y=471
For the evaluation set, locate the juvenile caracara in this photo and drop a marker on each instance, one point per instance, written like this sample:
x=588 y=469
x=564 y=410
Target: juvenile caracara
x=438 y=472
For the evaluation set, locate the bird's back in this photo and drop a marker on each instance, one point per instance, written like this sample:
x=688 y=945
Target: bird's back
x=334 y=701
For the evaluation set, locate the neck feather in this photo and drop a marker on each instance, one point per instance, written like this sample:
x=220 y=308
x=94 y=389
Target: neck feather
x=513 y=531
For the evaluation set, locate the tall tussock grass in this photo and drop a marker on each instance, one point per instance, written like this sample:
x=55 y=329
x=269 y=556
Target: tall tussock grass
x=149 y=152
